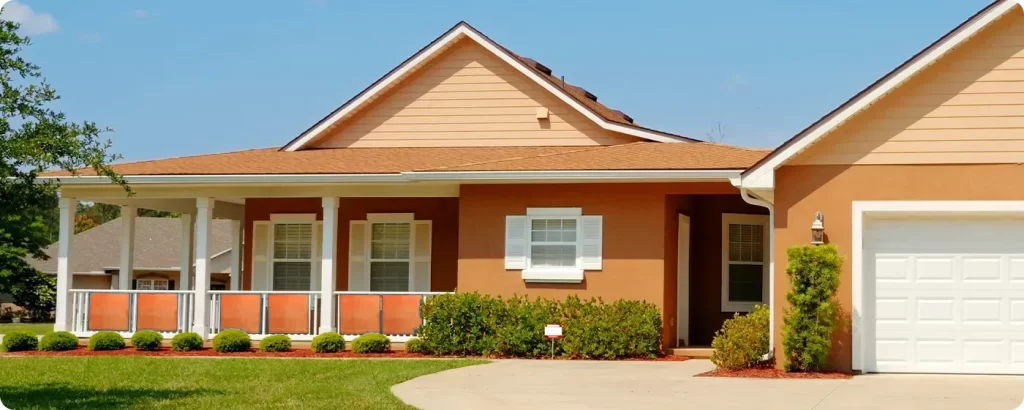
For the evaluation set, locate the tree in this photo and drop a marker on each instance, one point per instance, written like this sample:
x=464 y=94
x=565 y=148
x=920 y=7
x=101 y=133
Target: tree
x=717 y=133
x=35 y=138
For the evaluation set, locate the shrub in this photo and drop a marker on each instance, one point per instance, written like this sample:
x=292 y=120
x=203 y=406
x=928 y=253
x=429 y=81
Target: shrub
x=813 y=312
x=20 y=341
x=416 y=345
x=58 y=341
x=459 y=323
x=148 y=340
x=276 y=343
x=624 y=328
x=743 y=340
x=328 y=342
x=186 y=342
x=371 y=343
x=231 y=341
x=106 y=341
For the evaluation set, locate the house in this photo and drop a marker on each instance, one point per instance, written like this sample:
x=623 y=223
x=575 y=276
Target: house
x=474 y=168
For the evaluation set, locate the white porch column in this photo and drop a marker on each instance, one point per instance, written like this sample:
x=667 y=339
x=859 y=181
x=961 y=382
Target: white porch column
x=63 y=316
x=126 y=273
x=236 y=254
x=328 y=263
x=204 y=222
x=185 y=259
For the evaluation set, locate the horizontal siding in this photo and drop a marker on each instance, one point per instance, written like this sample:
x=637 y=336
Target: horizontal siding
x=469 y=98
x=966 y=108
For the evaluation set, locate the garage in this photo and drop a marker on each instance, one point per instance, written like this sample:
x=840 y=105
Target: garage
x=943 y=293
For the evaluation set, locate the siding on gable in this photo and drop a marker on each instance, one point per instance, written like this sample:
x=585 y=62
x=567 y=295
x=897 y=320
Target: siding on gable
x=467 y=97
x=967 y=108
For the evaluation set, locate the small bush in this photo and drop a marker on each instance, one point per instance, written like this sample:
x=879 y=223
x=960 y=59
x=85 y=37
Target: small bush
x=20 y=341
x=371 y=343
x=328 y=342
x=58 y=341
x=813 y=311
x=416 y=345
x=598 y=330
x=231 y=341
x=106 y=341
x=148 y=340
x=186 y=342
x=276 y=343
x=743 y=340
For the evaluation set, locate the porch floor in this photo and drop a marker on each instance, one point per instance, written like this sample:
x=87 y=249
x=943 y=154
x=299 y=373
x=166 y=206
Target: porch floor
x=700 y=352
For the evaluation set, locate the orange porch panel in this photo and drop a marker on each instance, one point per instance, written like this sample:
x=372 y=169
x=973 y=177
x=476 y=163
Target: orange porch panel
x=157 y=311
x=240 y=312
x=109 y=311
x=288 y=314
x=401 y=314
x=358 y=314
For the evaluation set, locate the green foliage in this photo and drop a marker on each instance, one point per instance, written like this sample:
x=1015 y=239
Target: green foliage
x=371 y=343
x=148 y=340
x=743 y=340
x=58 y=341
x=231 y=341
x=416 y=345
x=106 y=341
x=814 y=273
x=276 y=343
x=37 y=293
x=186 y=342
x=20 y=341
x=328 y=342
x=475 y=324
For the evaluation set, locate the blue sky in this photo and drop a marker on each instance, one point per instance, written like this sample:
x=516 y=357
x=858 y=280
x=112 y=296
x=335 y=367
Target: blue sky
x=188 y=77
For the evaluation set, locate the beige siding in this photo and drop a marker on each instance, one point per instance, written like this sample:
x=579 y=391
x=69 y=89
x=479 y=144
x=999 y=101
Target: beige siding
x=467 y=97
x=967 y=108
x=90 y=282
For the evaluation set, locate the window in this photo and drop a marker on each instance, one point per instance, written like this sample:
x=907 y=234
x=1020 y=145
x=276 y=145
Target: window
x=553 y=244
x=292 y=256
x=744 y=266
x=390 y=256
x=152 y=284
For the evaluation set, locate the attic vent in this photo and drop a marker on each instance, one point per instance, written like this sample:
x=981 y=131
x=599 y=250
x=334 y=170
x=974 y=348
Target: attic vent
x=587 y=94
x=537 y=66
x=624 y=116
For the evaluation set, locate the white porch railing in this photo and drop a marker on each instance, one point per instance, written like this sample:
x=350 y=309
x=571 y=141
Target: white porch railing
x=166 y=311
x=265 y=313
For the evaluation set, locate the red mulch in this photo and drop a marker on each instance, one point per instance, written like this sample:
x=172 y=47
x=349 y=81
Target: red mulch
x=768 y=372
x=296 y=353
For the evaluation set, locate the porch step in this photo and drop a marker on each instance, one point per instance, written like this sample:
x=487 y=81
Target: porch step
x=702 y=352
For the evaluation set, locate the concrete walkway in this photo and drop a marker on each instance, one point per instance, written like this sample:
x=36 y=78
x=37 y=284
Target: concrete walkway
x=521 y=384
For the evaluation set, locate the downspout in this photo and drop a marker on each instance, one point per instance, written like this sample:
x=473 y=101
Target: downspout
x=750 y=199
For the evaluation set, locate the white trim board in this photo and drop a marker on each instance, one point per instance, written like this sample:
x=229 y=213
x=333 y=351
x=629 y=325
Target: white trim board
x=762 y=175
x=460 y=31
x=861 y=209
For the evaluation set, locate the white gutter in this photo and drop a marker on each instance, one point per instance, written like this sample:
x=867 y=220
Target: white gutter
x=232 y=179
x=748 y=198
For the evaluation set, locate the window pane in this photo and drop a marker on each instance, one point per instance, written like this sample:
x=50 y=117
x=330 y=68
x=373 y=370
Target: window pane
x=389 y=276
x=553 y=230
x=746 y=243
x=552 y=256
x=292 y=275
x=293 y=241
x=390 y=241
x=746 y=283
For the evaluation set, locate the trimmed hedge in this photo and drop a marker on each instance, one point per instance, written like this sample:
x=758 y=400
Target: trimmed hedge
x=328 y=342
x=416 y=345
x=58 y=341
x=106 y=341
x=147 y=340
x=813 y=313
x=20 y=341
x=743 y=340
x=371 y=343
x=475 y=324
x=186 y=342
x=231 y=341
x=276 y=343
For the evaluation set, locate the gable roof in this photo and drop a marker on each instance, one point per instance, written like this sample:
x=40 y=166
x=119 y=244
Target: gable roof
x=574 y=96
x=157 y=246
x=761 y=175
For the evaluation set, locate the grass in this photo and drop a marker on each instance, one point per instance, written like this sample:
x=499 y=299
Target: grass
x=166 y=383
x=35 y=328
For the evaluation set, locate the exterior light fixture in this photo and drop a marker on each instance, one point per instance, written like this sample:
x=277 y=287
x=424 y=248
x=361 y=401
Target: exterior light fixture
x=818 y=229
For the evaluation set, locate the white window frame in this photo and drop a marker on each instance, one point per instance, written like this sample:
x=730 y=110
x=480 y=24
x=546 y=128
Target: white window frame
x=292 y=219
x=572 y=274
x=744 y=219
x=151 y=283
x=406 y=218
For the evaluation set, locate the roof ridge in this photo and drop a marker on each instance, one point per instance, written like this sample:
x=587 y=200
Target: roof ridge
x=522 y=157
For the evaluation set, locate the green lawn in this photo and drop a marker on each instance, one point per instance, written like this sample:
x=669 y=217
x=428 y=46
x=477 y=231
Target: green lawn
x=179 y=383
x=35 y=328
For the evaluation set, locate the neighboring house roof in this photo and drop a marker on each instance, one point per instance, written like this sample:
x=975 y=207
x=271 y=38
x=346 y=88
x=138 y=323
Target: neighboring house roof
x=761 y=174
x=157 y=246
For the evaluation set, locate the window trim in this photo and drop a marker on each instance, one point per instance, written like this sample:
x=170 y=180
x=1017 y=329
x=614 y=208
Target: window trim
x=153 y=282
x=553 y=274
x=745 y=219
x=292 y=219
x=406 y=218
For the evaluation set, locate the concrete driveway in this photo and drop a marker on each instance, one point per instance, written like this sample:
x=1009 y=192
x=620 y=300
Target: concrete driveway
x=521 y=384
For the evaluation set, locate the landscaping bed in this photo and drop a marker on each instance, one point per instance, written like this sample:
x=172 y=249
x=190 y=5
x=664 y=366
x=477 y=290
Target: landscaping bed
x=770 y=372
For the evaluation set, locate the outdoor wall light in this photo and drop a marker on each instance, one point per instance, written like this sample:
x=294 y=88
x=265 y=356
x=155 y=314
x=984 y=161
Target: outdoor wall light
x=818 y=229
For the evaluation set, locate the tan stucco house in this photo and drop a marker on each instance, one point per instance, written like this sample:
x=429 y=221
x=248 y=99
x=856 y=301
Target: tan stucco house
x=471 y=167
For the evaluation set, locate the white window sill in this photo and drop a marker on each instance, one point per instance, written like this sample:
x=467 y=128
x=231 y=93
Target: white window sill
x=553 y=275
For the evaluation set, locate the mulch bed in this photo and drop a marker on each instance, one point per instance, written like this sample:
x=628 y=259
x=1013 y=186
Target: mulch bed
x=768 y=372
x=296 y=353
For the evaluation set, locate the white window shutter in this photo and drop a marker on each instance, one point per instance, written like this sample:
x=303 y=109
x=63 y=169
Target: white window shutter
x=358 y=268
x=515 y=242
x=260 y=255
x=318 y=236
x=422 y=249
x=590 y=254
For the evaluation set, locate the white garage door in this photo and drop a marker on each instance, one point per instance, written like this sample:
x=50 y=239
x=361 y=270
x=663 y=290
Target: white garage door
x=948 y=295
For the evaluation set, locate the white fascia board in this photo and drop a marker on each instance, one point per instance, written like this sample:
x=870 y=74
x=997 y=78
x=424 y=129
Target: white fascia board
x=231 y=179
x=762 y=176
x=533 y=176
